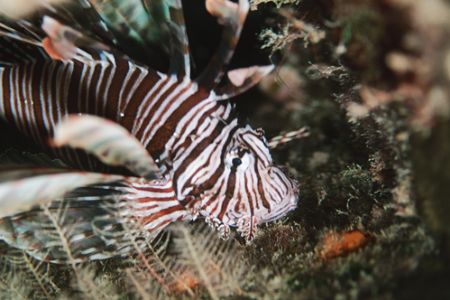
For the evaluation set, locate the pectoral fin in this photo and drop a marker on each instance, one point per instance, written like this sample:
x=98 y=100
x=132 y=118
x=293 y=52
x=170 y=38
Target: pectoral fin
x=95 y=222
x=108 y=141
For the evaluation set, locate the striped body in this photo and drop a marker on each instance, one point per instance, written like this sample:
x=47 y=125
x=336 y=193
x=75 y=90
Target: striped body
x=182 y=126
x=94 y=231
x=37 y=95
x=213 y=166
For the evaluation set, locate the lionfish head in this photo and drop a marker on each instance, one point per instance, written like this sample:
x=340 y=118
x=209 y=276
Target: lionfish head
x=240 y=186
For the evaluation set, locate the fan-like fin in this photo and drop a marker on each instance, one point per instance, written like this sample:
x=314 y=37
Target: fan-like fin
x=128 y=18
x=168 y=17
x=179 y=48
x=92 y=223
x=232 y=16
x=62 y=41
x=82 y=16
x=20 y=41
x=108 y=141
x=66 y=230
x=21 y=189
x=240 y=80
x=25 y=41
x=135 y=30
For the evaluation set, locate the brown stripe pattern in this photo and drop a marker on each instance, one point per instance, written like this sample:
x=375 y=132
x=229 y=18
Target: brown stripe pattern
x=213 y=166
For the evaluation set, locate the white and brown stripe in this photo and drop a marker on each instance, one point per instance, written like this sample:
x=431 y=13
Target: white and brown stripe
x=213 y=165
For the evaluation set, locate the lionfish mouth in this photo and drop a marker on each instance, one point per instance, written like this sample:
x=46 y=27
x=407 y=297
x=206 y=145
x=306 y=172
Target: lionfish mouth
x=281 y=212
x=197 y=201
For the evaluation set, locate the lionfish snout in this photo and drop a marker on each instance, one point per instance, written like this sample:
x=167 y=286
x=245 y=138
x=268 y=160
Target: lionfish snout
x=245 y=188
x=278 y=195
x=281 y=192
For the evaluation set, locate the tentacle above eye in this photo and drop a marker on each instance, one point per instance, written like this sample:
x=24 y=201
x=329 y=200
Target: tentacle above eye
x=287 y=137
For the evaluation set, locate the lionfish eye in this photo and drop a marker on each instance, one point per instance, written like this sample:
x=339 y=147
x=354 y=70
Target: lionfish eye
x=236 y=162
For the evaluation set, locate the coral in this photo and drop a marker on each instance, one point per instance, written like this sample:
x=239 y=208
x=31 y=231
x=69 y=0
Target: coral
x=375 y=161
x=337 y=244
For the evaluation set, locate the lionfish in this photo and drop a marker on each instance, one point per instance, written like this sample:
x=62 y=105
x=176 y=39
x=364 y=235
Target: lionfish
x=79 y=86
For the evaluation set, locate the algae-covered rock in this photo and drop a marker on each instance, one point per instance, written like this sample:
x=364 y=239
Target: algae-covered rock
x=374 y=172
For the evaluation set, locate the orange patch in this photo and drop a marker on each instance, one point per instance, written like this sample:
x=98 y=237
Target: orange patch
x=50 y=49
x=186 y=281
x=336 y=244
